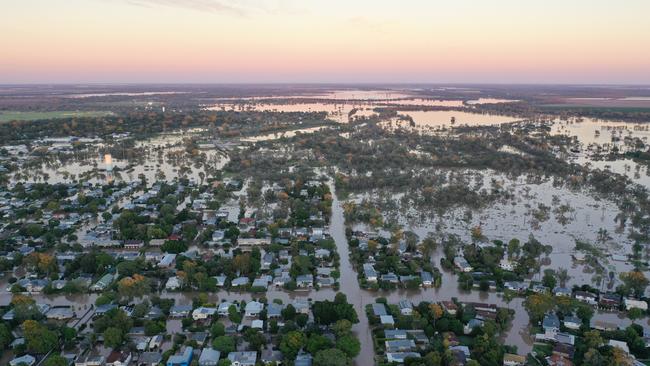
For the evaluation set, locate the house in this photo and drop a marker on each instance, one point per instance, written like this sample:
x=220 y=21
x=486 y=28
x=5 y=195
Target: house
x=267 y=260
x=565 y=350
x=203 y=313
x=247 y=244
x=199 y=337
x=221 y=280
x=173 y=283
x=242 y=358
x=60 y=313
x=118 y=358
x=271 y=357
x=387 y=320
x=253 y=309
x=551 y=323
x=390 y=278
x=619 y=344
x=471 y=325
x=322 y=253
x=462 y=264
x=303 y=359
x=167 y=260
x=103 y=282
x=635 y=304
x=562 y=291
x=405 y=307
x=23 y=360
x=223 y=308
x=149 y=359
x=572 y=322
x=184 y=359
x=257 y=324
x=507 y=265
x=274 y=310
x=510 y=359
x=369 y=272
x=180 y=311
x=305 y=281
x=450 y=307
x=517 y=286
x=427 y=278
x=400 y=345
x=239 y=281
x=558 y=360
x=609 y=301
x=395 y=334
x=400 y=357
x=209 y=357
x=603 y=326
x=379 y=309
x=156 y=341
x=90 y=360
x=586 y=297
x=133 y=244
x=301 y=306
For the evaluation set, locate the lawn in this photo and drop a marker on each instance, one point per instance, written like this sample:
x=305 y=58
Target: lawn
x=33 y=116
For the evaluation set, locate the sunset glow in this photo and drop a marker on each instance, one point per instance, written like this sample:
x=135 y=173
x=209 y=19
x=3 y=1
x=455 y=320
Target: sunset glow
x=502 y=41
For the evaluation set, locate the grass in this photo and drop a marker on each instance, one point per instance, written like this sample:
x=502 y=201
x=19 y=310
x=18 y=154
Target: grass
x=33 y=116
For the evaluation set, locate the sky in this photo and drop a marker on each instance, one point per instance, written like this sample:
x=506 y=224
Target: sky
x=325 y=41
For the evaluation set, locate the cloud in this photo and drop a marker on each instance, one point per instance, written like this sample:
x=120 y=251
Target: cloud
x=214 y=6
x=238 y=7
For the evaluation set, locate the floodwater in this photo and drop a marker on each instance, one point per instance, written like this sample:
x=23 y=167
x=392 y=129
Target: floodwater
x=278 y=135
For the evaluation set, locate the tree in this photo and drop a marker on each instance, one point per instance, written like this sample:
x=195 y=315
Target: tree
x=585 y=313
x=563 y=276
x=327 y=312
x=350 y=345
x=331 y=357
x=514 y=248
x=56 y=360
x=342 y=327
x=217 y=330
x=537 y=305
x=291 y=343
x=592 y=339
x=224 y=344
x=593 y=358
x=635 y=313
x=635 y=281
x=549 y=278
x=38 y=338
x=234 y=315
x=5 y=336
x=135 y=286
x=317 y=342
x=113 y=337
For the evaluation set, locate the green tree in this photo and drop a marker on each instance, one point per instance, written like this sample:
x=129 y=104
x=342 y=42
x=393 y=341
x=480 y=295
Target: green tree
x=331 y=357
x=38 y=338
x=291 y=343
x=349 y=344
x=537 y=305
x=224 y=344
x=113 y=337
x=56 y=360
x=217 y=330
x=317 y=342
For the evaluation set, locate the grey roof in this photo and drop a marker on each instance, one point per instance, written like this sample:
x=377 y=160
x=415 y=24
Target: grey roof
x=209 y=356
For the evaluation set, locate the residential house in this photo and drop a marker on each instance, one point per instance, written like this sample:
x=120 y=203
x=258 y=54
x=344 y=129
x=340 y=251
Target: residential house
x=242 y=358
x=118 y=358
x=253 y=309
x=183 y=359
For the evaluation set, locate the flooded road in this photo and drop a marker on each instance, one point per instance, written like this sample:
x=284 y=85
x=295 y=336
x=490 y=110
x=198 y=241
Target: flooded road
x=349 y=285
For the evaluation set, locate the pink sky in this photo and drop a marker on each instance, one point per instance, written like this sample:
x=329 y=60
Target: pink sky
x=500 y=41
